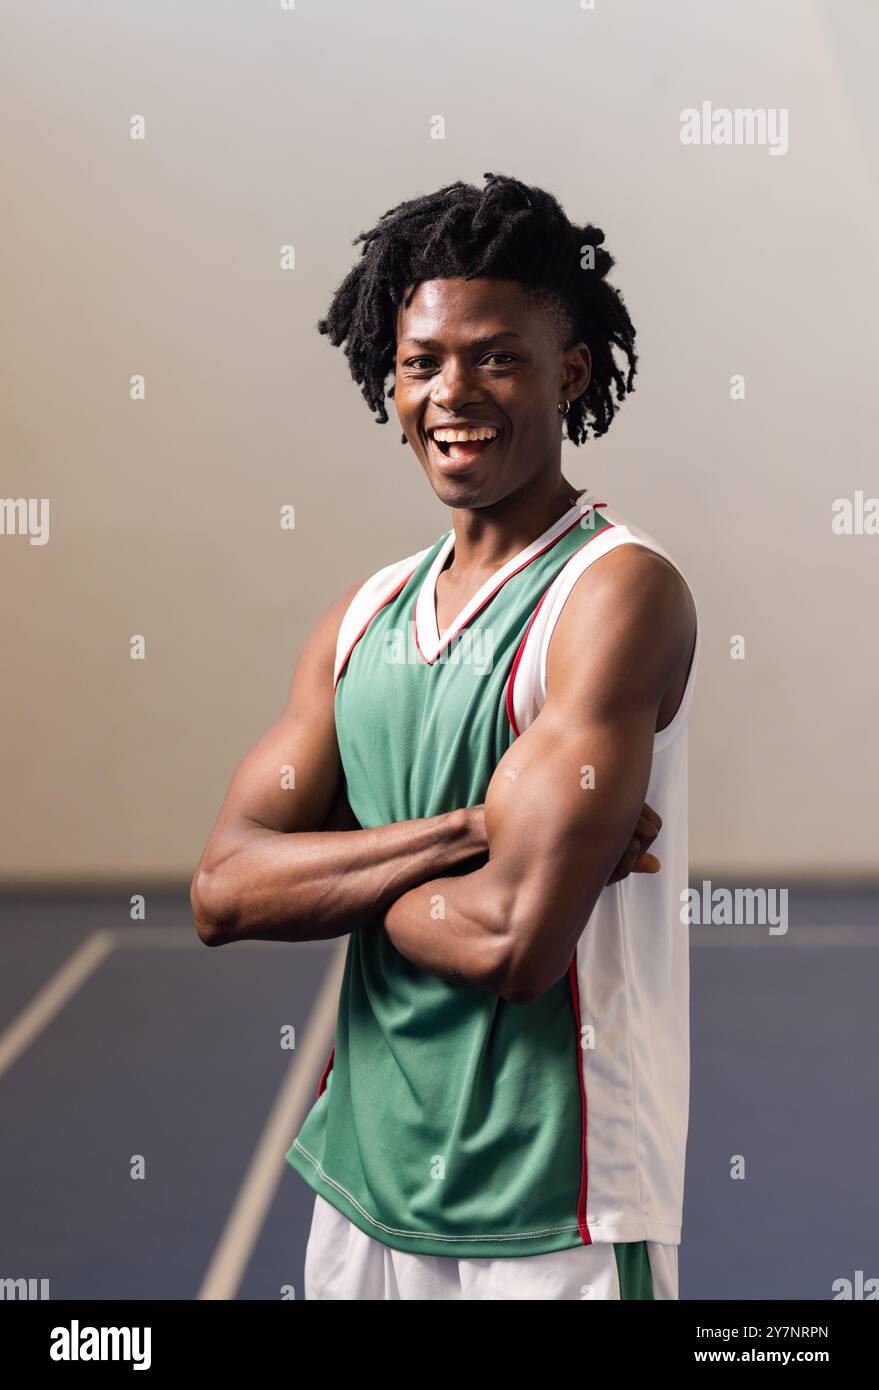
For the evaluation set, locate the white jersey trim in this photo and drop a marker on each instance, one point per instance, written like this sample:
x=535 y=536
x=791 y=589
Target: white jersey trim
x=372 y=596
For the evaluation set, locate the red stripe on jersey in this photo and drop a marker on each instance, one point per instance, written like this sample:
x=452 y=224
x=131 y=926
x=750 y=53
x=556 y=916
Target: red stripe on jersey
x=326 y=1071
x=518 y=657
x=585 y=1234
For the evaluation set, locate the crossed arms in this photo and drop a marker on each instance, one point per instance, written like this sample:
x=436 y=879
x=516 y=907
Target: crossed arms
x=292 y=864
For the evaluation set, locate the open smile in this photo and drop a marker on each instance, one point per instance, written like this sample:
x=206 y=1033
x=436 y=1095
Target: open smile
x=455 y=450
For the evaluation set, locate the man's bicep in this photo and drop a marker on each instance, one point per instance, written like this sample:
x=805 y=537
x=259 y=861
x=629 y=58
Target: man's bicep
x=561 y=809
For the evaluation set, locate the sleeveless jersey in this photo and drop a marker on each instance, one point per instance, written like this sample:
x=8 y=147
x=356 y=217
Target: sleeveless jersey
x=448 y=1120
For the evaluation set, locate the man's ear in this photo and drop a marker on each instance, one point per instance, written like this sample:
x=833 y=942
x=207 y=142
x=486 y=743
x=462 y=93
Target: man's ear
x=577 y=371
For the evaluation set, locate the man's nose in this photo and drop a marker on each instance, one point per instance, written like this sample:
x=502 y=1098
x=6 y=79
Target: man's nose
x=454 y=387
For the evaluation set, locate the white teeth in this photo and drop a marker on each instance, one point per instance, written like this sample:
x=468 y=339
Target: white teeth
x=464 y=436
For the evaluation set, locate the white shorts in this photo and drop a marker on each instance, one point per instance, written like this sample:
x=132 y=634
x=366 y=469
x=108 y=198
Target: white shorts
x=342 y=1262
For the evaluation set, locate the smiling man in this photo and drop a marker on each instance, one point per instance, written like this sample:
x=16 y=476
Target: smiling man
x=475 y=730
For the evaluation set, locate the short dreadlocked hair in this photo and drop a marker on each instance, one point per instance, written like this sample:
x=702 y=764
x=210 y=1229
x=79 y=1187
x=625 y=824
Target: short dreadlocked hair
x=505 y=231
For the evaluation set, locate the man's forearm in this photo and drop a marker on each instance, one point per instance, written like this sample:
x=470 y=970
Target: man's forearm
x=455 y=927
x=310 y=885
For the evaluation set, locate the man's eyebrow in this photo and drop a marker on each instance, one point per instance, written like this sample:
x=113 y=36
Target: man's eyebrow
x=477 y=342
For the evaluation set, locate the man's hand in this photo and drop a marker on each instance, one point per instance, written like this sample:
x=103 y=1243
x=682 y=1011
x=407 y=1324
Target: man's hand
x=636 y=860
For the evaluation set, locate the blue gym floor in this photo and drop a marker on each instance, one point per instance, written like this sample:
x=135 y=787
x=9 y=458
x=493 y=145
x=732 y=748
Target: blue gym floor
x=122 y=1039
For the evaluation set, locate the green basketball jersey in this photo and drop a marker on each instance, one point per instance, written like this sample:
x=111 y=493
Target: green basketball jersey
x=450 y=1122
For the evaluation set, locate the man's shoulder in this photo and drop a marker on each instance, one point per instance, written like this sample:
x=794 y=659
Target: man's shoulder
x=631 y=606
x=638 y=573
x=634 y=585
x=634 y=565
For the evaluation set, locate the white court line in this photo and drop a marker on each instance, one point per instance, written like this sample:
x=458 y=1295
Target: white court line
x=91 y=953
x=54 y=994
x=246 y=1219
x=828 y=937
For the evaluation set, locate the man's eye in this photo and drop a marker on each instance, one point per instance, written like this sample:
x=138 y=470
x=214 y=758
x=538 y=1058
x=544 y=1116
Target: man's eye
x=414 y=362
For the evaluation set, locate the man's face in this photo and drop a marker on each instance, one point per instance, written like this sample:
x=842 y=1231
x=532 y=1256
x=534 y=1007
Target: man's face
x=480 y=353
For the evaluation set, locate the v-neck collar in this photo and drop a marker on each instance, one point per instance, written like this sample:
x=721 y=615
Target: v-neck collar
x=427 y=637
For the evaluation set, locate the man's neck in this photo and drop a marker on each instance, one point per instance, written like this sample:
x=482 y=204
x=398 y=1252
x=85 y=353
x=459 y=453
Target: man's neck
x=487 y=537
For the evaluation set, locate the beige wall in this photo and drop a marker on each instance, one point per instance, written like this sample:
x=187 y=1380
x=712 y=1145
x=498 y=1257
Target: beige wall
x=160 y=257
